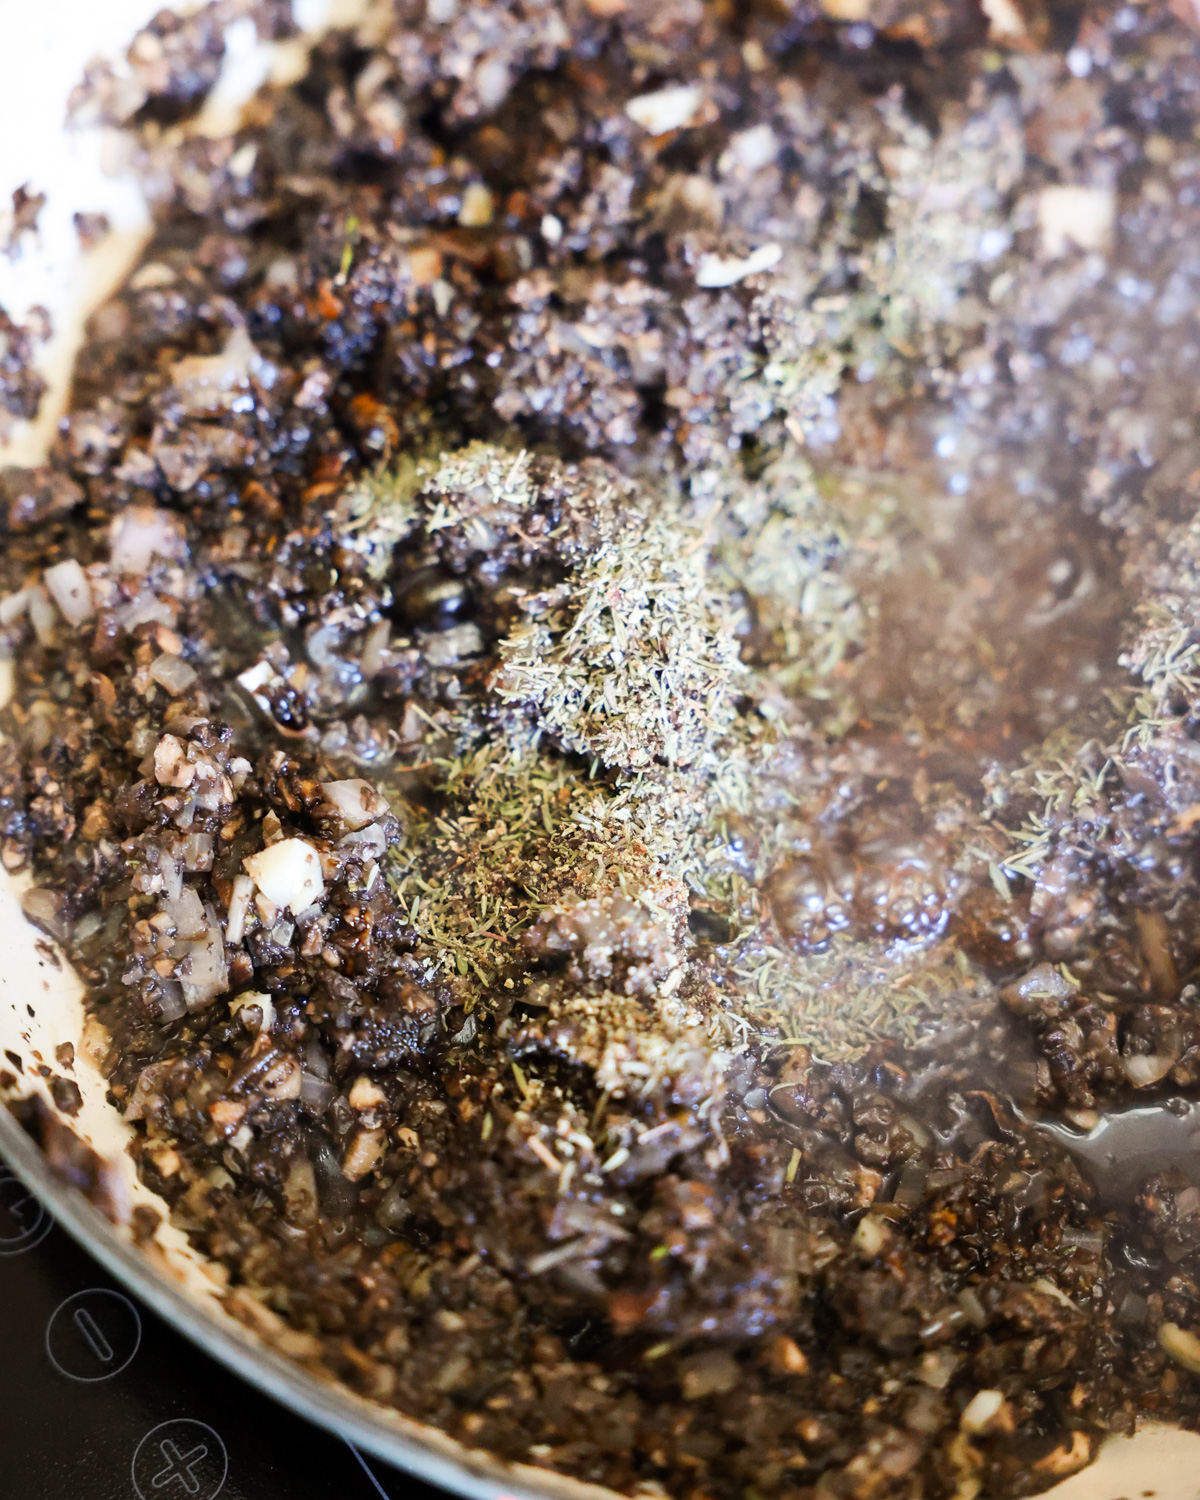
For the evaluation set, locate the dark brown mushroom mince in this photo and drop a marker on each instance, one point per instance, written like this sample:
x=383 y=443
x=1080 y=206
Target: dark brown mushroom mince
x=607 y=703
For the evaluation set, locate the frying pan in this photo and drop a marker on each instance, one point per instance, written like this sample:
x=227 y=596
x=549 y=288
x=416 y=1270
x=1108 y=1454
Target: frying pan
x=45 y=50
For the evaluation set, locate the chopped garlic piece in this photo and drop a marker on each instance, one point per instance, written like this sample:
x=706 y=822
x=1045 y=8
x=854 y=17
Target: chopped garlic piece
x=70 y=590
x=723 y=270
x=288 y=874
x=1071 y=217
x=984 y=1410
x=666 y=109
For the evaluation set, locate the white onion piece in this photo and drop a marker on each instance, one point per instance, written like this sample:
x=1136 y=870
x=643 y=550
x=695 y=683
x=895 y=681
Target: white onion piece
x=140 y=534
x=665 y=109
x=180 y=722
x=172 y=1002
x=207 y=973
x=725 y=270
x=259 y=998
x=42 y=615
x=198 y=851
x=710 y=1374
x=146 y=609
x=154 y=274
x=1142 y=1071
x=13 y=606
x=172 y=875
x=256 y=677
x=365 y=1094
x=147 y=1089
x=87 y=927
x=1182 y=1345
x=288 y=874
x=983 y=1409
x=1073 y=217
x=142 y=740
x=282 y=934
x=44 y=910
x=317 y=1093
x=171 y=765
x=186 y=914
x=70 y=590
x=322 y=648
x=372 y=657
x=364 y=1154
x=315 y=1060
x=751 y=149
x=239 y=909
x=172 y=673
x=355 y=801
x=365 y=843
x=209 y=382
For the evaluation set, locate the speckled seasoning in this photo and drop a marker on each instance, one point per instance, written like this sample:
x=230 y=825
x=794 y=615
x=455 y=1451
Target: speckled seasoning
x=606 y=701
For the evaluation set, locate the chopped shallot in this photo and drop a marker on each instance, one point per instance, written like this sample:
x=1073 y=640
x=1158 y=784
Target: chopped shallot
x=208 y=383
x=171 y=1002
x=364 y=1154
x=45 y=910
x=722 y=270
x=666 y=109
x=186 y=914
x=365 y=844
x=172 y=875
x=317 y=1093
x=986 y=1411
x=255 y=998
x=207 y=973
x=1142 y=1070
x=355 y=801
x=172 y=673
x=198 y=851
x=140 y=534
x=13 y=606
x=41 y=615
x=1181 y=1344
x=239 y=909
x=171 y=766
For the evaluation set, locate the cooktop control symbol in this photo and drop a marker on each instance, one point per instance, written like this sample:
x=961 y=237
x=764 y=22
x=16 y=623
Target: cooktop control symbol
x=180 y=1460
x=24 y=1223
x=93 y=1335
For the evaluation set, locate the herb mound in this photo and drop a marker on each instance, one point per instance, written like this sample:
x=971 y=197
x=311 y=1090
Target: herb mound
x=623 y=649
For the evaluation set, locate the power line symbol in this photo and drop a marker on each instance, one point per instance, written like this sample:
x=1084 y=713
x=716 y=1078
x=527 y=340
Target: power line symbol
x=93 y=1335
x=178 y=1459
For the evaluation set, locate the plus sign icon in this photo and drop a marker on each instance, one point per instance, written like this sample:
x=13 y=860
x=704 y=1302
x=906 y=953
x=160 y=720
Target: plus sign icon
x=24 y=1223
x=180 y=1460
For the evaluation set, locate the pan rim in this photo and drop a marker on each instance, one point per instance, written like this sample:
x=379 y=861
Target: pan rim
x=421 y=1450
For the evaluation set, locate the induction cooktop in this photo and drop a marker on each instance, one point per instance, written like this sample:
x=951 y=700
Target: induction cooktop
x=101 y=1400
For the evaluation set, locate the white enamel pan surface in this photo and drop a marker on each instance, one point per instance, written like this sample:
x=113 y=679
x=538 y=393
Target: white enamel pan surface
x=43 y=51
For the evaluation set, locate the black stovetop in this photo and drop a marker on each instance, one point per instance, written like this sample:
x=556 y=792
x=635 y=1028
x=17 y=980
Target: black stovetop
x=100 y=1400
